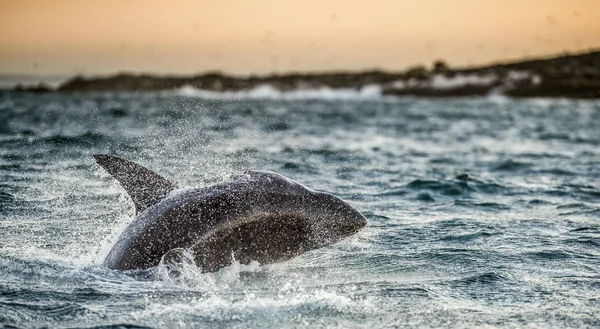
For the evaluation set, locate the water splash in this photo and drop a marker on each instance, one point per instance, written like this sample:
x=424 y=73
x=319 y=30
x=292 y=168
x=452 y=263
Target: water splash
x=269 y=92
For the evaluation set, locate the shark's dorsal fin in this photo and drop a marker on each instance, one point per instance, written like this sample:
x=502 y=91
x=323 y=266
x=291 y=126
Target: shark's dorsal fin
x=144 y=186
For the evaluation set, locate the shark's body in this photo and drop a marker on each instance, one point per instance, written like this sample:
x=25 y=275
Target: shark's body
x=259 y=216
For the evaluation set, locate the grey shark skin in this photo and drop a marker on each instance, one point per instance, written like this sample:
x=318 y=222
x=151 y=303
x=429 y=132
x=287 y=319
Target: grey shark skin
x=258 y=216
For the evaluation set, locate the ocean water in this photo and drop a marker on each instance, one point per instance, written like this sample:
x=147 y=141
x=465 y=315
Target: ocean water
x=483 y=212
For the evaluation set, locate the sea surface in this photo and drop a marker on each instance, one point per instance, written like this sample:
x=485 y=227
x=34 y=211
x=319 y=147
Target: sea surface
x=482 y=212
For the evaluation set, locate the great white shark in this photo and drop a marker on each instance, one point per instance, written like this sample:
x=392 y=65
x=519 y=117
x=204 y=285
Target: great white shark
x=257 y=216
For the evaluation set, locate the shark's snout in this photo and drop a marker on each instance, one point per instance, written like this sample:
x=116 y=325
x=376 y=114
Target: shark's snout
x=339 y=218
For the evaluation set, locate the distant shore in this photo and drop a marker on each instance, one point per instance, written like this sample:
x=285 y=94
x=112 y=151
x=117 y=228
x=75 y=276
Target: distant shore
x=569 y=75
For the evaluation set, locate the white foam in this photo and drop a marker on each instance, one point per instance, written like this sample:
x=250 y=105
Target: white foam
x=497 y=96
x=366 y=92
x=269 y=92
x=227 y=304
x=440 y=81
x=186 y=275
x=518 y=75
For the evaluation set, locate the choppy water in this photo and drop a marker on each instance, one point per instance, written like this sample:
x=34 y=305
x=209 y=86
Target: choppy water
x=482 y=211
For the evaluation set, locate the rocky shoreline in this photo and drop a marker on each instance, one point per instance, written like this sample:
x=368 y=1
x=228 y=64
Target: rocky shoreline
x=572 y=76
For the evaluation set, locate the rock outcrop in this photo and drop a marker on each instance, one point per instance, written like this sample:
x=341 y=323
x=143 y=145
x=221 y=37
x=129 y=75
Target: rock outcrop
x=575 y=76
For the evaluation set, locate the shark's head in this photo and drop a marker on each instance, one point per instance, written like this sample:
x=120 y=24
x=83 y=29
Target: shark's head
x=332 y=218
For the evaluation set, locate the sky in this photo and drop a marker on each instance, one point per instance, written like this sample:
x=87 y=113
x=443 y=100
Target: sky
x=265 y=36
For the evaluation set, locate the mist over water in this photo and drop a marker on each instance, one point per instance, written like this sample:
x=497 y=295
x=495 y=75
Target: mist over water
x=482 y=211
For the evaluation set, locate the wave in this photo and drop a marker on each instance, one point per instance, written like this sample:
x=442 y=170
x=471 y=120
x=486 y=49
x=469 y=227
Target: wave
x=441 y=81
x=367 y=92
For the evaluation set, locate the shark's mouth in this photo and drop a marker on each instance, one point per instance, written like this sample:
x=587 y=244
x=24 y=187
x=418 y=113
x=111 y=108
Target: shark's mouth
x=262 y=238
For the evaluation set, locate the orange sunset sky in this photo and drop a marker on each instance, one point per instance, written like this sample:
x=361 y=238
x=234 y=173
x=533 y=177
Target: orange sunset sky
x=262 y=36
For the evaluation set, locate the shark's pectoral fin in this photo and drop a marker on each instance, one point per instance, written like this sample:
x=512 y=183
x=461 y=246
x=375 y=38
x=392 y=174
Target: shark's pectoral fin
x=144 y=186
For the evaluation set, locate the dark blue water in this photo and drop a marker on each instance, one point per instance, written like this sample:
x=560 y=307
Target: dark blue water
x=482 y=211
